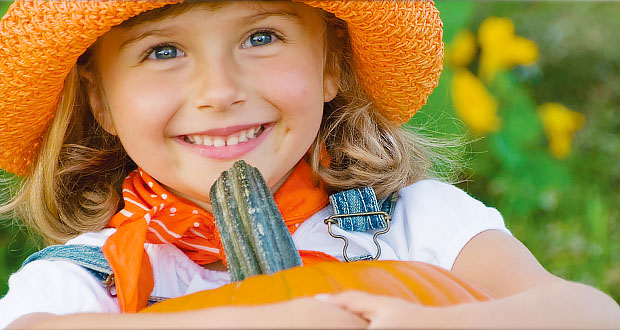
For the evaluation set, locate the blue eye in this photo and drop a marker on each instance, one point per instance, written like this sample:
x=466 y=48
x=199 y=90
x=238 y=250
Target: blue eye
x=260 y=38
x=165 y=52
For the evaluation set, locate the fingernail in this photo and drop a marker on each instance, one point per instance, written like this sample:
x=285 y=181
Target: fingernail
x=323 y=296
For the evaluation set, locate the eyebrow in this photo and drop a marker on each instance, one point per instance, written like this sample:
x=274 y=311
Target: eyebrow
x=156 y=32
x=266 y=14
x=251 y=19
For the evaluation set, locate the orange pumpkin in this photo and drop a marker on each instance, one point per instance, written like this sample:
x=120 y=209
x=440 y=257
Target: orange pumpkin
x=413 y=281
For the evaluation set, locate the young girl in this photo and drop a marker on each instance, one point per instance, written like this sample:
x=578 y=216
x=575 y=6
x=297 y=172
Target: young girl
x=120 y=115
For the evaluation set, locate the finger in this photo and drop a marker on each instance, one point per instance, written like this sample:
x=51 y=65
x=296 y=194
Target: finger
x=361 y=303
x=305 y=310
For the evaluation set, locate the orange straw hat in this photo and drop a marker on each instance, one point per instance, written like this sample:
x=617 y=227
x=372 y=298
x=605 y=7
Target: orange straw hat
x=397 y=45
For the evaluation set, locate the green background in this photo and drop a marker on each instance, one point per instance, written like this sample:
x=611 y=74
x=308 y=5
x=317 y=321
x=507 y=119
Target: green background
x=566 y=211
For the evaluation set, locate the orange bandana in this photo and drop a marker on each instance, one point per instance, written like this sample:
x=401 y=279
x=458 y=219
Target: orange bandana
x=153 y=215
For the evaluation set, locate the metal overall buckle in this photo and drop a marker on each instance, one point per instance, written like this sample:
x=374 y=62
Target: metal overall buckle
x=109 y=284
x=333 y=220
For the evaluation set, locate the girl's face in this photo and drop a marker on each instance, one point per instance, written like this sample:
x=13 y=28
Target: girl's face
x=190 y=94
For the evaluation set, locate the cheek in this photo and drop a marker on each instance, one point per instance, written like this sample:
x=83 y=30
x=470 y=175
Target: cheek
x=141 y=102
x=296 y=82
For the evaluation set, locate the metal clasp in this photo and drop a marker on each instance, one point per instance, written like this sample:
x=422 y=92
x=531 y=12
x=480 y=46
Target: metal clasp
x=109 y=284
x=333 y=220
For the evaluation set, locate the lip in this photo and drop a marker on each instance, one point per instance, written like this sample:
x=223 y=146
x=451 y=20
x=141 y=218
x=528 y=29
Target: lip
x=227 y=152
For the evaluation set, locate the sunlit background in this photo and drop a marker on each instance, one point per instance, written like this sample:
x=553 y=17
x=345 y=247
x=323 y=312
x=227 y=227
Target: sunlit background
x=535 y=87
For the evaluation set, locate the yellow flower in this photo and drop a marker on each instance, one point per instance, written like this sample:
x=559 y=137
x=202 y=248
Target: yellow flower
x=560 y=125
x=473 y=103
x=501 y=49
x=462 y=49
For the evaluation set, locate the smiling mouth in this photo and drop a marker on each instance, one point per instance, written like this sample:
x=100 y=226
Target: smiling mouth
x=229 y=140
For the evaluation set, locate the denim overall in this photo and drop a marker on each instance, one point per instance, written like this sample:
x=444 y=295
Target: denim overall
x=355 y=210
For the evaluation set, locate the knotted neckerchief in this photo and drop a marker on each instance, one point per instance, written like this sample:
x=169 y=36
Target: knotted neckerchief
x=153 y=215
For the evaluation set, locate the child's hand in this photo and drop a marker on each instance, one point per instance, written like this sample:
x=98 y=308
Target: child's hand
x=302 y=312
x=383 y=312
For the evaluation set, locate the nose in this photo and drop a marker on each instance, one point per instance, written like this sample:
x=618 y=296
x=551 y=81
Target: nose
x=218 y=84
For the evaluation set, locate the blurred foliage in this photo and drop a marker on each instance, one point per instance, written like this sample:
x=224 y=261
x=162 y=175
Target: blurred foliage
x=15 y=242
x=563 y=204
x=542 y=115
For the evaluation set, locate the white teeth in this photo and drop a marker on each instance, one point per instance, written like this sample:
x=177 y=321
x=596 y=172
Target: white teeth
x=232 y=141
x=219 y=142
x=251 y=132
x=210 y=141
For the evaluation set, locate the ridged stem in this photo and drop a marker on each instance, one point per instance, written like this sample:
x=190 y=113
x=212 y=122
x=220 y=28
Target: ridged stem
x=254 y=235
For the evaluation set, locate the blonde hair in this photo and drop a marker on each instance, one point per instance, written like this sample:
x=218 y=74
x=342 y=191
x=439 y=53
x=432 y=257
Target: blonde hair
x=75 y=184
x=364 y=147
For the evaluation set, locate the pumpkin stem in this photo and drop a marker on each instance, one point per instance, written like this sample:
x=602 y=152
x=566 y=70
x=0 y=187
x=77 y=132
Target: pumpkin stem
x=255 y=238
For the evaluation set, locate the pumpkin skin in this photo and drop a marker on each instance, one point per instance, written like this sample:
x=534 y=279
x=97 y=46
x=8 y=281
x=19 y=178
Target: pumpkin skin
x=412 y=281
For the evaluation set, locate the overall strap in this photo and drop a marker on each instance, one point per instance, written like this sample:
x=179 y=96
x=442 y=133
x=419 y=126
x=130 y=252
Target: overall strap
x=359 y=210
x=88 y=257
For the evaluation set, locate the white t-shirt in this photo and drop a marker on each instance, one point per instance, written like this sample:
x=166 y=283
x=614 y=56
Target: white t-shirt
x=432 y=222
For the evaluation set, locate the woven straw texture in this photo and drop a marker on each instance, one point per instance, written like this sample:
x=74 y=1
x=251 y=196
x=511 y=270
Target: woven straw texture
x=397 y=44
x=398 y=50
